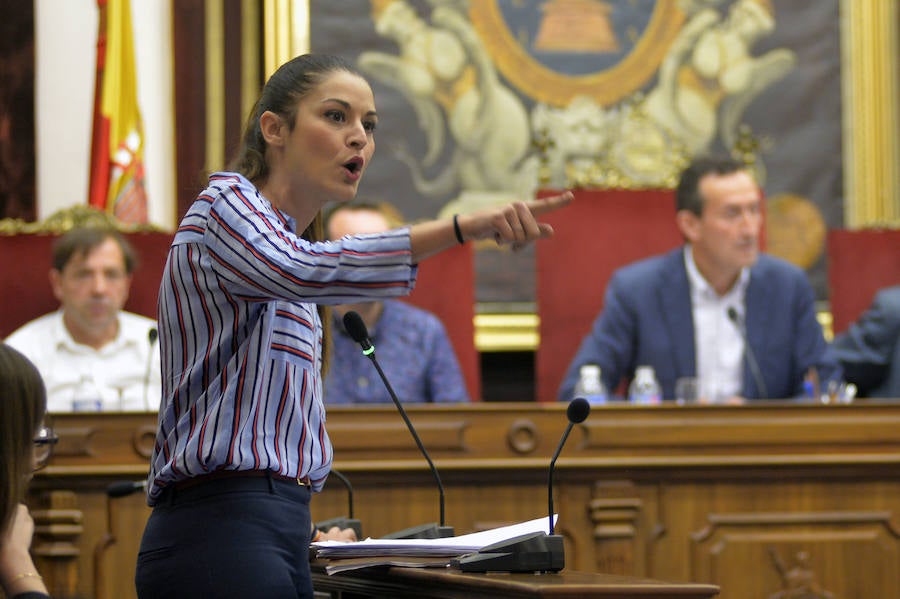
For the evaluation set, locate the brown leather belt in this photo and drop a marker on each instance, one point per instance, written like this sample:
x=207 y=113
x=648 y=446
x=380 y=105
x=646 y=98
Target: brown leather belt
x=224 y=474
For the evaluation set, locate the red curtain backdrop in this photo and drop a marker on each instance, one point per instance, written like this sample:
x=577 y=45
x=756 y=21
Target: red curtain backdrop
x=859 y=264
x=446 y=287
x=600 y=232
x=26 y=286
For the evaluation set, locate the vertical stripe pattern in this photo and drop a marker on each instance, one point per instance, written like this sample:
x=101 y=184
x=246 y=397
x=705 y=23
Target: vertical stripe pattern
x=241 y=339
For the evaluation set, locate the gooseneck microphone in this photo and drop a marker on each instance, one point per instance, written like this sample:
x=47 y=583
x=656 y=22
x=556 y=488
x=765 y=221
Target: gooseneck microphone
x=356 y=328
x=343 y=522
x=535 y=551
x=748 y=352
x=349 y=488
x=577 y=412
x=125 y=488
x=152 y=336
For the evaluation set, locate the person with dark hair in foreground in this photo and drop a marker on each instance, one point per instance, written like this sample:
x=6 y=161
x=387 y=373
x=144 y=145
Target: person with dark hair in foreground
x=24 y=447
x=241 y=444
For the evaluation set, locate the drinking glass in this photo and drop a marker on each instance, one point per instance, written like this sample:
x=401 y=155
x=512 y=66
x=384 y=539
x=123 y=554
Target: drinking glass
x=687 y=390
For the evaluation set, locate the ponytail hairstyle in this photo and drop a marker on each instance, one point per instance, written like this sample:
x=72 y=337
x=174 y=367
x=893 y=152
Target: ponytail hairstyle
x=281 y=95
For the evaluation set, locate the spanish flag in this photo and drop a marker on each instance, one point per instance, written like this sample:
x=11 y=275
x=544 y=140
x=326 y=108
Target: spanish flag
x=117 y=144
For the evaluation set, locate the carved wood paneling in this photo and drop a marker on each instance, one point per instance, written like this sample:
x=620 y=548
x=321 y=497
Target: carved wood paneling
x=362 y=436
x=616 y=512
x=809 y=555
x=57 y=546
x=654 y=492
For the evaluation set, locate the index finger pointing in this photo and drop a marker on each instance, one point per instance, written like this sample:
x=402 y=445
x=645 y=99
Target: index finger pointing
x=541 y=206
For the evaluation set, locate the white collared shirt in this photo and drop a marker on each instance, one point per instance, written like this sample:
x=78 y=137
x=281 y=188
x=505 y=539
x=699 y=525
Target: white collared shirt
x=125 y=371
x=718 y=345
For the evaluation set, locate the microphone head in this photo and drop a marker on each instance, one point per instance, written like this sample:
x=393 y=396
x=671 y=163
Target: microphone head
x=355 y=327
x=732 y=314
x=153 y=335
x=578 y=410
x=124 y=488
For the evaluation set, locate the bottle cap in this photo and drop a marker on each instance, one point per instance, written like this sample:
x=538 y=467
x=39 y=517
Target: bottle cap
x=589 y=370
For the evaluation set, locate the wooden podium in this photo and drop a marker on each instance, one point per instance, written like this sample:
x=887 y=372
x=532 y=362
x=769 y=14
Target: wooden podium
x=762 y=500
x=433 y=583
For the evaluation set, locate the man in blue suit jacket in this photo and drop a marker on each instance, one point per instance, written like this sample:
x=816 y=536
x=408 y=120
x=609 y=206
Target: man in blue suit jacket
x=693 y=311
x=869 y=350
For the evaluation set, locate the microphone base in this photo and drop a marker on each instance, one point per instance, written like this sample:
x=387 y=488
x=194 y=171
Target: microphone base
x=422 y=531
x=341 y=522
x=532 y=552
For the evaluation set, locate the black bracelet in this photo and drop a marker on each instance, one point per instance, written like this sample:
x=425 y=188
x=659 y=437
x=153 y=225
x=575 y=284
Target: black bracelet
x=457 y=230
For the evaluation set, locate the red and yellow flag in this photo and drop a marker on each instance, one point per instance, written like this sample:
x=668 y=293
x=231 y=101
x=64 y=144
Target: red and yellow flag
x=117 y=145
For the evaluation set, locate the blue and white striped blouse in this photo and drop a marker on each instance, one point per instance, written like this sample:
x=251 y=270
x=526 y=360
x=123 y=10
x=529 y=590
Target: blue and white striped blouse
x=240 y=336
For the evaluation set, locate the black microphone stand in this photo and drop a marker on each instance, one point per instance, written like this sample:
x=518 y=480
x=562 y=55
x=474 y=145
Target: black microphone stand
x=355 y=326
x=536 y=551
x=152 y=336
x=735 y=318
x=343 y=521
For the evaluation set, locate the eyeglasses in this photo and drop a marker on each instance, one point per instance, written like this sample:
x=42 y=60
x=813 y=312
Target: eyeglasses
x=44 y=441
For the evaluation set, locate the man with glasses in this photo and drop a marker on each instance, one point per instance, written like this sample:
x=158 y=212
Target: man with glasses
x=91 y=354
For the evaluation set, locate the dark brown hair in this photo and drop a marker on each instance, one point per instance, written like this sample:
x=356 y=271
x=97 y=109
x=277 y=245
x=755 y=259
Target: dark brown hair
x=281 y=95
x=80 y=241
x=687 y=194
x=24 y=403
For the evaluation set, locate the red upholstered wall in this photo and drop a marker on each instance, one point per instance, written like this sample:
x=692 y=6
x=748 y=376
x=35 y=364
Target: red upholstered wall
x=25 y=281
x=859 y=264
x=601 y=231
x=446 y=287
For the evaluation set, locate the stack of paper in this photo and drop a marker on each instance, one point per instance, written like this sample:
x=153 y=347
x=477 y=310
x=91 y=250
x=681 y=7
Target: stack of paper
x=422 y=548
x=357 y=563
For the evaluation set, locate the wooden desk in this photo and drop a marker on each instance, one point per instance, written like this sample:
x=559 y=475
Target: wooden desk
x=751 y=498
x=434 y=583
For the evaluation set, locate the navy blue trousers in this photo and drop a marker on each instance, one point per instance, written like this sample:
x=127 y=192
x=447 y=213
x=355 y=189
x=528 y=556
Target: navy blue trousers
x=228 y=538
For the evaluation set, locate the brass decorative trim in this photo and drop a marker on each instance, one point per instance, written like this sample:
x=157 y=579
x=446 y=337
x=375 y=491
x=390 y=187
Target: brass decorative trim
x=214 y=40
x=496 y=332
x=276 y=34
x=546 y=85
x=826 y=321
x=871 y=102
x=506 y=332
x=300 y=43
x=285 y=31
x=70 y=217
x=250 y=50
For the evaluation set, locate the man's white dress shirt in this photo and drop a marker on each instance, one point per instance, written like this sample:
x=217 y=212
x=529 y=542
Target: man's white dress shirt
x=718 y=344
x=124 y=372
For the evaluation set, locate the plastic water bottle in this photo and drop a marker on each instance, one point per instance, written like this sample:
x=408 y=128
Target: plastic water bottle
x=590 y=385
x=86 y=397
x=644 y=389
